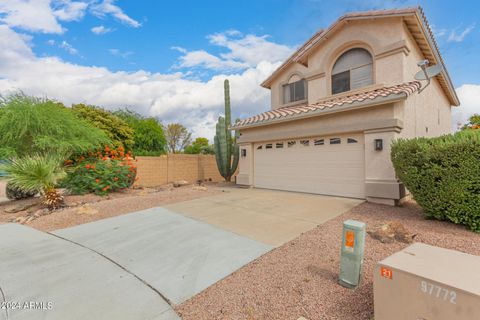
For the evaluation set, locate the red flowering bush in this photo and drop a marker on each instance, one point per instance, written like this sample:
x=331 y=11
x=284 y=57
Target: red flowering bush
x=101 y=172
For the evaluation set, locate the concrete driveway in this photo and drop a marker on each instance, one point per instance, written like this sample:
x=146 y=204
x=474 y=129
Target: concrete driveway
x=130 y=267
x=268 y=216
x=138 y=265
x=44 y=277
x=176 y=255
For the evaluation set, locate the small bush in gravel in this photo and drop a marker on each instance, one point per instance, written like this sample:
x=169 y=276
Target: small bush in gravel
x=102 y=172
x=443 y=175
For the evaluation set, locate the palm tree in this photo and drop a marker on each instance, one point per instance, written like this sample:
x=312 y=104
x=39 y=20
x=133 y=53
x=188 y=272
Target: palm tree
x=37 y=173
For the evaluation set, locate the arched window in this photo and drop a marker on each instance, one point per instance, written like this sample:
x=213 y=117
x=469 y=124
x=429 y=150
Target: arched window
x=352 y=70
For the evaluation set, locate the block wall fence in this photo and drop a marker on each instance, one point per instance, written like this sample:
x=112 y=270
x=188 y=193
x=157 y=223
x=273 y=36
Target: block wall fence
x=155 y=171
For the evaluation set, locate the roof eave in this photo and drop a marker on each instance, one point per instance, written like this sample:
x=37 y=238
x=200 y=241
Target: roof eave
x=347 y=107
x=454 y=98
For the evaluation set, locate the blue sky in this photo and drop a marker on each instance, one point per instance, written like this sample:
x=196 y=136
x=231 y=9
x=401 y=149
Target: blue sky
x=168 y=58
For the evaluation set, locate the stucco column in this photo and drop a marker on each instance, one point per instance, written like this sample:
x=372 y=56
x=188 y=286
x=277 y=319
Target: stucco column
x=381 y=184
x=245 y=163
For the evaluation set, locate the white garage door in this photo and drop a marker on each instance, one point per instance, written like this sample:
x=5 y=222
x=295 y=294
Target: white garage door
x=331 y=165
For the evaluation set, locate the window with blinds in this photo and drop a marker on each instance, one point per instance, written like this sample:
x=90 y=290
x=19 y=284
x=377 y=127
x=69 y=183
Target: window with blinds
x=353 y=70
x=295 y=91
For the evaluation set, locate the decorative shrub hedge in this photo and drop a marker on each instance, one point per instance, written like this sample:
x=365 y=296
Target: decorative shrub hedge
x=102 y=172
x=443 y=175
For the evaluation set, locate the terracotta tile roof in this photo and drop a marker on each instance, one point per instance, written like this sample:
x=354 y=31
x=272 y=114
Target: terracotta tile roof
x=298 y=111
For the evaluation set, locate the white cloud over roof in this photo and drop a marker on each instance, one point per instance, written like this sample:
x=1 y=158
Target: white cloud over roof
x=170 y=96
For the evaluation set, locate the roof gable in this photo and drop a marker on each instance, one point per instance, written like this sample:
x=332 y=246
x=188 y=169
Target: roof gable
x=417 y=25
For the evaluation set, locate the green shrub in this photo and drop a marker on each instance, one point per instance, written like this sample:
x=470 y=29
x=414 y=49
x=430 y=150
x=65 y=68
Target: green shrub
x=37 y=173
x=443 y=175
x=148 y=133
x=31 y=125
x=102 y=172
x=200 y=146
x=115 y=128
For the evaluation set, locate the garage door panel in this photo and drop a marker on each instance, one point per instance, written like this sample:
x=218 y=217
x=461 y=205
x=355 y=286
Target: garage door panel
x=343 y=174
x=326 y=169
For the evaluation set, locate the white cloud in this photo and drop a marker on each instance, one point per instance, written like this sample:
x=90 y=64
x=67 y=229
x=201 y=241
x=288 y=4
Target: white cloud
x=459 y=37
x=243 y=52
x=67 y=10
x=179 y=49
x=438 y=32
x=120 y=53
x=101 y=30
x=68 y=47
x=107 y=7
x=203 y=59
x=469 y=95
x=31 y=15
x=250 y=49
x=45 y=15
x=171 y=97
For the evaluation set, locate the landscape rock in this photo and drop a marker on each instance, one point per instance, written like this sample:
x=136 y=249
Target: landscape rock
x=200 y=188
x=180 y=183
x=391 y=231
x=86 y=209
x=20 y=207
x=73 y=204
x=29 y=219
x=20 y=220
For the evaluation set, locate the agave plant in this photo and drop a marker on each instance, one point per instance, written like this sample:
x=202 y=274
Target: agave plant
x=37 y=173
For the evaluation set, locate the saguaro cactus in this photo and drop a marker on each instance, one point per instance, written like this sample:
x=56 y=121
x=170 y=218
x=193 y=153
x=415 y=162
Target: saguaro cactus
x=226 y=147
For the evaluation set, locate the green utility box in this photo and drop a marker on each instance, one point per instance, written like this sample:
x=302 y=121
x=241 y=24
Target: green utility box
x=351 y=257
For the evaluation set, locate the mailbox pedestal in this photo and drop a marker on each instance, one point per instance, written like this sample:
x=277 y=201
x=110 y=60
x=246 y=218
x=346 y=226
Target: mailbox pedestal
x=424 y=282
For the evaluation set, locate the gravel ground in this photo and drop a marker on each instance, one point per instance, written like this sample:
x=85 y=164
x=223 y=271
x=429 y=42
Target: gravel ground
x=300 y=277
x=88 y=208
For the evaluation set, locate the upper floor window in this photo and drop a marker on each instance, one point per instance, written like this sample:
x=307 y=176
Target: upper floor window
x=295 y=91
x=352 y=70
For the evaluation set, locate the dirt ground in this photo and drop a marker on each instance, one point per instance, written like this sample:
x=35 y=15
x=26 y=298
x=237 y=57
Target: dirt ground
x=300 y=278
x=88 y=208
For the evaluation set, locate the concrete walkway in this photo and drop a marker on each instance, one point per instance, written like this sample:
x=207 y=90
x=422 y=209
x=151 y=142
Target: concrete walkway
x=268 y=216
x=44 y=277
x=176 y=255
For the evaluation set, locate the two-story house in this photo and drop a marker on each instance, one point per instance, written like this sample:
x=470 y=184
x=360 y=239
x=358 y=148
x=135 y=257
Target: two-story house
x=339 y=101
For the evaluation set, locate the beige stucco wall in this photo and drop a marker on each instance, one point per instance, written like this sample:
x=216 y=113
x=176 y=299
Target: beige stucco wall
x=245 y=165
x=383 y=38
x=430 y=109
